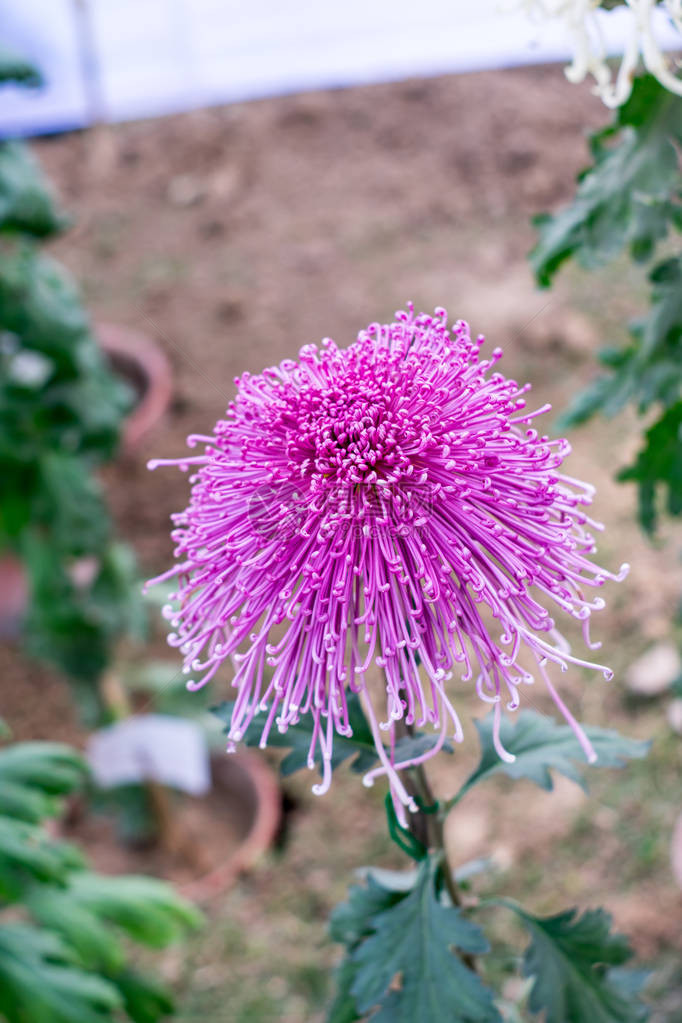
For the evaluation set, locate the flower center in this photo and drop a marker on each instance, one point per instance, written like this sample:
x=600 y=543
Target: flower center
x=350 y=434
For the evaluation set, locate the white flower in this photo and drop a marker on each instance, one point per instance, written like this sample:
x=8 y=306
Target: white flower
x=589 y=53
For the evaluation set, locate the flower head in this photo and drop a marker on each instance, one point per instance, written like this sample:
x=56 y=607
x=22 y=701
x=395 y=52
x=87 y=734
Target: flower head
x=583 y=25
x=385 y=505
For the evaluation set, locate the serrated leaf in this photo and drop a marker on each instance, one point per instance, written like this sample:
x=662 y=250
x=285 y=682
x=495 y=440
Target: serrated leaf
x=658 y=464
x=649 y=370
x=351 y=921
x=587 y=403
x=409 y=747
x=40 y=982
x=359 y=748
x=631 y=193
x=414 y=940
x=570 y=959
x=343 y=1009
x=540 y=745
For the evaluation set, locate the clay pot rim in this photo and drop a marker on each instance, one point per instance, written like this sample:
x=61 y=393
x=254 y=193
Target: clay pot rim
x=140 y=348
x=259 y=837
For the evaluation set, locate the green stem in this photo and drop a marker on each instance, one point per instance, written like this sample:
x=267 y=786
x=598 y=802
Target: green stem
x=429 y=828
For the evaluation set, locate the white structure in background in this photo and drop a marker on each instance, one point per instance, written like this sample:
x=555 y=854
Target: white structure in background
x=645 y=39
x=122 y=59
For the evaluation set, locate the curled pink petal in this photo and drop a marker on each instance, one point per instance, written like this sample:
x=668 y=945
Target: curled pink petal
x=379 y=506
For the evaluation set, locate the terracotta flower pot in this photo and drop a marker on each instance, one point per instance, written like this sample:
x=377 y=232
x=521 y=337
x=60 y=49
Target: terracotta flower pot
x=137 y=358
x=13 y=596
x=253 y=800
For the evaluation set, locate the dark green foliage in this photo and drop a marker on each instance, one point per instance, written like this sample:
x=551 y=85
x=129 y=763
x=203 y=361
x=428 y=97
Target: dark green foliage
x=632 y=196
x=343 y=1008
x=60 y=415
x=629 y=196
x=26 y=203
x=60 y=407
x=414 y=936
x=144 y=999
x=76 y=626
x=360 y=746
x=659 y=463
x=27 y=854
x=42 y=981
x=649 y=369
x=648 y=373
x=572 y=960
x=540 y=745
x=33 y=774
x=73 y=966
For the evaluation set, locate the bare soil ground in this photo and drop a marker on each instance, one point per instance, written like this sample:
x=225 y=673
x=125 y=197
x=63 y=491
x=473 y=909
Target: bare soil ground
x=236 y=235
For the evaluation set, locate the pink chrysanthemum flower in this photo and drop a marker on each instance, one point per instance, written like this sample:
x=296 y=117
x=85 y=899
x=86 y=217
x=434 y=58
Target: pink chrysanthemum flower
x=385 y=504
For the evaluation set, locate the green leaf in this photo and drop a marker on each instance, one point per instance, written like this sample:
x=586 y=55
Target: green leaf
x=28 y=853
x=41 y=982
x=570 y=959
x=75 y=626
x=26 y=804
x=659 y=464
x=50 y=767
x=147 y=909
x=73 y=969
x=32 y=774
x=144 y=998
x=26 y=200
x=343 y=1009
x=631 y=193
x=69 y=504
x=414 y=940
x=40 y=303
x=540 y=745
x=649 y=370
x=92 y=939
x=359 y=747
x=352 y=921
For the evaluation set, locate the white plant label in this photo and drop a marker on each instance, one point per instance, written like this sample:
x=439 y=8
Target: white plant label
x=151 y=747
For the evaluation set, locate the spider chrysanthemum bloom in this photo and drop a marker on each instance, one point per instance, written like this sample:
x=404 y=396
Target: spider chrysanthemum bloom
x=381 y=505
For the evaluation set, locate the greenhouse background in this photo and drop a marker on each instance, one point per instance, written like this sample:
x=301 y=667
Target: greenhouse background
x=105 y=60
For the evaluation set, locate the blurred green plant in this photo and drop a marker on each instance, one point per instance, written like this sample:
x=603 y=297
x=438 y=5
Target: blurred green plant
x=62 y=957
x=632 y=197
x=61 y=410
